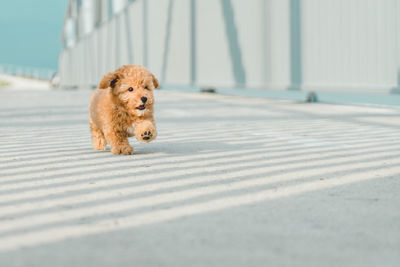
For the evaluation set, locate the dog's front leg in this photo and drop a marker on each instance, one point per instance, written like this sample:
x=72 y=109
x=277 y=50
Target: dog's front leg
x=118 y=142
x=145 y=131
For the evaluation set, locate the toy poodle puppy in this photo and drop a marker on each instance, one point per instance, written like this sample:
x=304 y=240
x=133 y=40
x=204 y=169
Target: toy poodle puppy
x=122 y=107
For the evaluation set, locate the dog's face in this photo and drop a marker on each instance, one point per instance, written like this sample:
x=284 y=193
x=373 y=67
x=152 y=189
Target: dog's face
x=133 y=85
x=136 y=94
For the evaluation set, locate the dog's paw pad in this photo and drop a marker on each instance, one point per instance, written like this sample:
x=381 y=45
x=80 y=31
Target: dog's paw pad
x=147 y=135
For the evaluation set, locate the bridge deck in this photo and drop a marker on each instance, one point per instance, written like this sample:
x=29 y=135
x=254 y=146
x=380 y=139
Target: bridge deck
x=231 y=181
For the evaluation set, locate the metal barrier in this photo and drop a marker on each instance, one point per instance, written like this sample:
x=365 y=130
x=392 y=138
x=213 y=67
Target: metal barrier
x=318 y=45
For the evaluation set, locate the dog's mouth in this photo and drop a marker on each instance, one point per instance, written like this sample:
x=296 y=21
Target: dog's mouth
x=141 y=107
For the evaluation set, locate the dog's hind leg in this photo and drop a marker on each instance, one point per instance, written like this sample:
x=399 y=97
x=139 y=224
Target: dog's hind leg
x=98 y=139
x=118 y=141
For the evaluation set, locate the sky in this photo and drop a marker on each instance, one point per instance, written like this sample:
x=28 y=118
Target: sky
x=30 y=32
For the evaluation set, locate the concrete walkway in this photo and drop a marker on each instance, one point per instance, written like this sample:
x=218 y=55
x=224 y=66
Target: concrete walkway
x=230 y=181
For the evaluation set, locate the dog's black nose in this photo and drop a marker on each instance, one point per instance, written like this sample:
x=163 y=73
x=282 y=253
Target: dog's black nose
x=144 y=99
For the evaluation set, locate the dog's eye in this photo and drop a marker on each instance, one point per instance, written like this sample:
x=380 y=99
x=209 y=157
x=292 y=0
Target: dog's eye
x=146 y=87
x=130 y=89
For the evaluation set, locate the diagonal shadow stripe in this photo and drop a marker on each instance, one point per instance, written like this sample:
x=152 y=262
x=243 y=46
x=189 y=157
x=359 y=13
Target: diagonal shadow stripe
x=117 y=32
x=255 y=165
x=239 y=186
x=145 y=23
x=128 y=34
x=295 y=45
x=155 y=187
x=167 y=39
x=168 y=214
x=233 y=42
x=193 y=42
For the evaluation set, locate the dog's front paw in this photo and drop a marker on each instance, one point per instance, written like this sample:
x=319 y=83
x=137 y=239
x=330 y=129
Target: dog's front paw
x=147 y=136
x=145 y=132
x=122 y=150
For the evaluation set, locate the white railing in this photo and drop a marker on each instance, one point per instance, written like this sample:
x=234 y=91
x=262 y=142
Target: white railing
x=319 y=45
x=28 y=72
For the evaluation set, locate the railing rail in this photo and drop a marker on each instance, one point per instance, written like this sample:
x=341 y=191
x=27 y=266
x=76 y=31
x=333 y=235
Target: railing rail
x=259 y=44
x=28 y=72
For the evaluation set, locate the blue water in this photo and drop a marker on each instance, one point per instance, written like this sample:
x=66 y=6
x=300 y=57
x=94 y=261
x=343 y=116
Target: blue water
x=30 y=32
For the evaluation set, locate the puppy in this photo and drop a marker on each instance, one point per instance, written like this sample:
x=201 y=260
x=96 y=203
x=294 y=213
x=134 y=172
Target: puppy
x=121 y=107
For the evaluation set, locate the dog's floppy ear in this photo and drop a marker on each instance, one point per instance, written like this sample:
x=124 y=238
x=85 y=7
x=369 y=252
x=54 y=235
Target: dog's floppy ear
x=111 y=79
x=155 y=81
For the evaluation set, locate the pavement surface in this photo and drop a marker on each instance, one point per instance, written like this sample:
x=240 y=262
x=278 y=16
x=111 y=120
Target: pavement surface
x=230 y=181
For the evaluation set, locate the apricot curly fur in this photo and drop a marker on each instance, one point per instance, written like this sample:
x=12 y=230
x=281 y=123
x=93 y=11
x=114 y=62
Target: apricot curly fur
x=117 y=112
